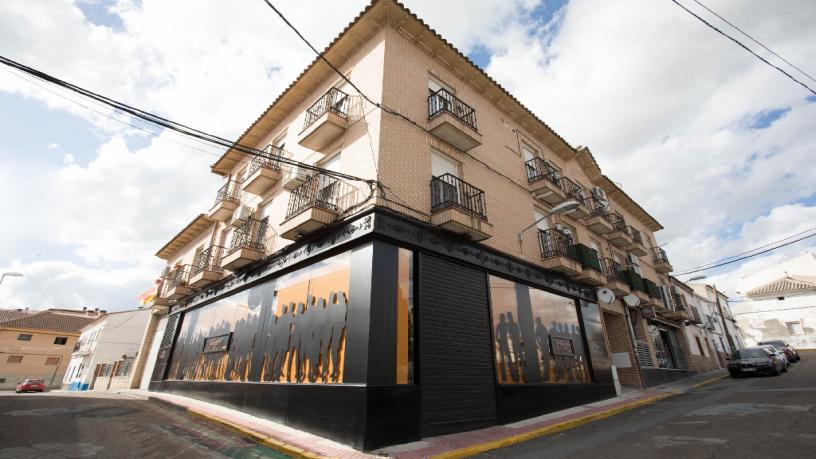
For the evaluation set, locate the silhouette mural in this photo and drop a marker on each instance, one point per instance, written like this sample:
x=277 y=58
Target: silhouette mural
x=534 y=324
x=290 y=330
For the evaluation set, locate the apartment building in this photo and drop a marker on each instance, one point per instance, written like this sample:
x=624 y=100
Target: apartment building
x=718 y=320
x=380 y=275
x=38 y=344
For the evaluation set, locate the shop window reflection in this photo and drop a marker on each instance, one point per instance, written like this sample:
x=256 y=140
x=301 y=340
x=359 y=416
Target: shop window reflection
x=405 y=317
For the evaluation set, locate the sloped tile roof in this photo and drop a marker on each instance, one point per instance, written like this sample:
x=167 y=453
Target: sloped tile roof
x=787 y=284
x=51 y=320
x=11 y=314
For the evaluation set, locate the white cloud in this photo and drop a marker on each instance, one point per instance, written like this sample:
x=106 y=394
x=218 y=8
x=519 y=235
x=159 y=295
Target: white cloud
x=52 y=146
x=68 y=158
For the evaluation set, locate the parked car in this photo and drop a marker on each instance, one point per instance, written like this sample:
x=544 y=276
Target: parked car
x=779 y=353
x=793 y=354
x=754 y=360
x=31 y=385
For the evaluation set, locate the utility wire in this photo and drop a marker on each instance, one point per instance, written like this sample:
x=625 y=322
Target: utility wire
x=754 y=40
x=739 y=43
x=747 y=257
x=752 y=250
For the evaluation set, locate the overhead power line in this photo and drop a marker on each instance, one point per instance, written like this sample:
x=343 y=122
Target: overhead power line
x=747 y=256
x=741 y=45
x=754 y=40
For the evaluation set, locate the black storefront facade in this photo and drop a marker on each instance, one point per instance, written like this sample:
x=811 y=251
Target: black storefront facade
x=384 y=330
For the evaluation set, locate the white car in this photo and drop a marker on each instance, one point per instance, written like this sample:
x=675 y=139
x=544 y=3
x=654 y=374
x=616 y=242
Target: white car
x=779 y=353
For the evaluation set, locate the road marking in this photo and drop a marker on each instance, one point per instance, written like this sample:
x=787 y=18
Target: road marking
x=746 y=409
x=668 y=441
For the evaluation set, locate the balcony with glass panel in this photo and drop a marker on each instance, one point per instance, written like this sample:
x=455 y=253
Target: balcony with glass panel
x=326 y=120
x=459 y=207
x=452 y=120
x=558 y=252
x=227 y=200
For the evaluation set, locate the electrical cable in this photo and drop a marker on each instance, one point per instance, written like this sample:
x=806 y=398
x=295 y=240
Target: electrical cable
x=740 y=44
x=754 y=40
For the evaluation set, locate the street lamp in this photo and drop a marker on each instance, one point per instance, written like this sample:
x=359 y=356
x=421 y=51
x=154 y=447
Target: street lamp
x=562 y=208
x=10 y=274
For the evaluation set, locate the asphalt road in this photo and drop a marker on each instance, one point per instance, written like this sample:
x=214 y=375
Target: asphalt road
x=56 y=424
x=753 y=417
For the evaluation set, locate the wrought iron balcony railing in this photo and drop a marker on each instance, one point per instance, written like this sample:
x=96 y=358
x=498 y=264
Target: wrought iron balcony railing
x=179 y=276
x=230 y=192
x=334 y=100
x=659 y=255
x=449 y=191
x=554 y=243
x=208 y=260
x=250 y=235
x=443 y=101
x=540 y=169
x=597 y=209
x=322 y=191
x=271 y=159
x=679 y=301
x=573 y=190
x=618 y=222
x=613 y=270
x=635 y=235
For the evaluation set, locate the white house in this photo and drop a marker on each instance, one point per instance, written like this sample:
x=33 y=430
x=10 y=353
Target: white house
x=780 y=303
x=106 y=349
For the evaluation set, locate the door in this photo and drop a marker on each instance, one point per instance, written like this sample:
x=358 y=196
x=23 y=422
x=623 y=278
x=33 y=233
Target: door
x=456 y=366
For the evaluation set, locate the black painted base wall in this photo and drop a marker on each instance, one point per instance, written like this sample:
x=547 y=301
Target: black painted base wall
x=364 y=417
x=528 y=400
x=657 y=376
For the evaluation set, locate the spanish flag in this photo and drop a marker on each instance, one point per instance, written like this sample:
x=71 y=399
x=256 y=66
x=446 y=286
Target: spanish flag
x=147 y=298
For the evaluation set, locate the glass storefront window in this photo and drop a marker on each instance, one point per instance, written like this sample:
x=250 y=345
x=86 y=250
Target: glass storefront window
x=405 y=317
x=537 y=335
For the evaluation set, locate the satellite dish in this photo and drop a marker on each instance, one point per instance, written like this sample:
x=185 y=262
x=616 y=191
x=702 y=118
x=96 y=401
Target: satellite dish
x=605 y=295
x=631 y=300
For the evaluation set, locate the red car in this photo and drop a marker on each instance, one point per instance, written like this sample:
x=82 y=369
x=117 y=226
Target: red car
x=31 y=385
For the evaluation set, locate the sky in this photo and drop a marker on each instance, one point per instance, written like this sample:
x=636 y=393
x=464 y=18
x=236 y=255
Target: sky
x=717 y=146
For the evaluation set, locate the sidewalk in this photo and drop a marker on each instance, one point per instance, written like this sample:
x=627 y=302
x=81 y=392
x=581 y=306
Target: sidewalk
x=301 y=444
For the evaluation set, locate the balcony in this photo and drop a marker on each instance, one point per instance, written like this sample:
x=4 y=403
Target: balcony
x=227 y=200
x=177 y=283
x=558 y=252
x=619 y=237
x=545 y=182
x=598 y=220
x=636 y=246
x=653 y=297
x=207 y=267
x=264 y=171
x=615 y=279
x=452 y=120
x=326 y=120
x=592 y=272
x=575 y=192
x=679 y=310
x=315 y=204
x=293 y=177
x=661 y=261
x=459 y=207
x=248 y=245
x=636 y=285
x=694 y=315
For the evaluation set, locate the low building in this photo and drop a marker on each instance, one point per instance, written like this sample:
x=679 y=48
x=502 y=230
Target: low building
x=703 y=355
x=38 y=344
x=718 y=320
x=104 y=356
x=780 y=303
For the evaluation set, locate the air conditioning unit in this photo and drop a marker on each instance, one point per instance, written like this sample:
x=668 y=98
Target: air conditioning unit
x=600 y=195
x=632 y=259
x=293 y=176
x=241 y=215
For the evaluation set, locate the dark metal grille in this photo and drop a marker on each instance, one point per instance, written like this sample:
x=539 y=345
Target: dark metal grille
x=573 y=190
x=555 y=243
x=679 y=301
x=323 y=191
x=659 y=255
x=179 y=276
x=449 y=191
x=250 y=235
x=597 y=209
x=635 y=235
x=618 y=222
x=443 y=101
x=209 y=259
x=540 y=169
x=229 y=192
x=271 y=159
x=334 y=100
x=613 y=270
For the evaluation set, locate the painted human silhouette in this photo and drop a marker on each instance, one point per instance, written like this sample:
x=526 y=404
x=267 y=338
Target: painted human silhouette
x=543 y=343
x=514 y=332
x=336 y=315
x=504 y=349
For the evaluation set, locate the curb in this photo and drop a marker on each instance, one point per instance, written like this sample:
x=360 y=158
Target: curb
x=257 y=437
x=551 y=429
x=708 y=381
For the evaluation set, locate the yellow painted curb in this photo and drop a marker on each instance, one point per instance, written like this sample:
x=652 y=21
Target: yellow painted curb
x=269 y=442
x=709 y=381
x=549 y=430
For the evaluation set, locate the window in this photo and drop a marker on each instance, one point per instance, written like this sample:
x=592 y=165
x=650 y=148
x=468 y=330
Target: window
x=435 y=85
x=14 y=359
x=405 y=317
x=528 y=152
x=61 y=340
x=795 y=328
x=23 y=337
x=441 y=164
x=52 y=360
